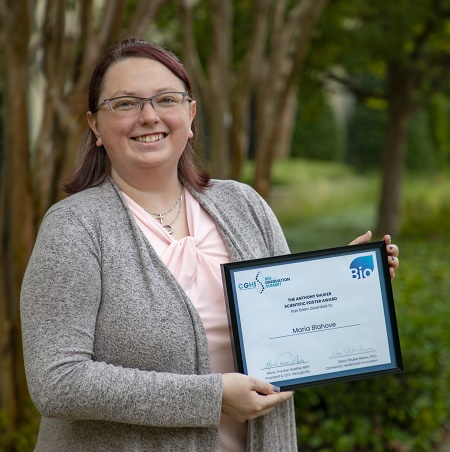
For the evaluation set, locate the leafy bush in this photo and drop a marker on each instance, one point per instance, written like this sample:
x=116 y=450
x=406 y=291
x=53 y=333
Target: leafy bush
x=366 y=137
x=316 y=134
x=421 y=154
x=24 y=438
x=405 y=412
x=439 y=117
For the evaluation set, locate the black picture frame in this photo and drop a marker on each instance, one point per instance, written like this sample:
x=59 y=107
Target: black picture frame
x=345 y=370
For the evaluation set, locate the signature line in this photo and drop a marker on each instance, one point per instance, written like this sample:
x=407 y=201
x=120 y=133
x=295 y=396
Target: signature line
x=284 y=365
x=318 y=331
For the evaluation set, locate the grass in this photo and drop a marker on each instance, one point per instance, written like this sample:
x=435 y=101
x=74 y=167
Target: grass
x=322 y=204
x=327 y=204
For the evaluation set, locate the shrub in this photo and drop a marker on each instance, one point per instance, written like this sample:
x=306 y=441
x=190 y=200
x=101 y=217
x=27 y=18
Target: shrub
x=405 y=412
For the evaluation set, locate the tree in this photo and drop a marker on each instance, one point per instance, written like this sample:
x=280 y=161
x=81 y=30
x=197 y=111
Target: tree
x=409 y=52
x=261 y=81
x=56 y=42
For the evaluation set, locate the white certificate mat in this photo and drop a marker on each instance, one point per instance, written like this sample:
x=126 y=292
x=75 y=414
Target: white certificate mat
x=313 y=318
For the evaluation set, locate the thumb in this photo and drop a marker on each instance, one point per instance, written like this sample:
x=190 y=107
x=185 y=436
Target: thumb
x=263 y=387
x=362 y=238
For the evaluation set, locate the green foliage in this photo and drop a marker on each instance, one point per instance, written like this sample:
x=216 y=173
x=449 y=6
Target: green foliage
x=426 y=207
x=362 y=35
x=366 y=137
x=359 y=41
x=439 y=122
x=316 y=134
x=402 y=412
x=25 y=436
x=408 y=410
x=421 y=154
x=428 y=141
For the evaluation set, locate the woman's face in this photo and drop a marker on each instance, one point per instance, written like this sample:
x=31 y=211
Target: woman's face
x=146 y=139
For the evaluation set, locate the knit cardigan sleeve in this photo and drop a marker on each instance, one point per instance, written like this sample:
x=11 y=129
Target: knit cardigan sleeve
x=60 y=302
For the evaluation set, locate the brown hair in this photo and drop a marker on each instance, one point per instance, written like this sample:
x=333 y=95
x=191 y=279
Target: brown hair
x=94 y=166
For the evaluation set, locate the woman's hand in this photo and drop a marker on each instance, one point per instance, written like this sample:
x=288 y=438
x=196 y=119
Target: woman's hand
x=246 y=398
x=392 y=251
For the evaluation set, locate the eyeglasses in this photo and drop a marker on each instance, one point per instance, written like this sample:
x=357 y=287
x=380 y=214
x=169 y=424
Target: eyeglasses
x=124 y=105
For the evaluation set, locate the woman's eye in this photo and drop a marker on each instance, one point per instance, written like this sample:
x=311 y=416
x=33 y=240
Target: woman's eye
x=166 y=100
x=125 y=103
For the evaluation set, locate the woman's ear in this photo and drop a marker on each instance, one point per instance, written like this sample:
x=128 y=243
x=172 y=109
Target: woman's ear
x=92 y=121
x=192 y=111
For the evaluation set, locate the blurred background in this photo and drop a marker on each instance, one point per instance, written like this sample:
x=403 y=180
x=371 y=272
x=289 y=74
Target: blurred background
x=337 y=112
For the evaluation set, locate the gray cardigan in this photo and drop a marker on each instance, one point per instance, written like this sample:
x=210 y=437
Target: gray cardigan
x=115 y=353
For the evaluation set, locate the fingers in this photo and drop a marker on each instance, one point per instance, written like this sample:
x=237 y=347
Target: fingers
x=392 y=251
x=362 y=238
x=246 y=398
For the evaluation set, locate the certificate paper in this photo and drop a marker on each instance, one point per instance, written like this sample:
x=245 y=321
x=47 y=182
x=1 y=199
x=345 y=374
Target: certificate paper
x=313 y=318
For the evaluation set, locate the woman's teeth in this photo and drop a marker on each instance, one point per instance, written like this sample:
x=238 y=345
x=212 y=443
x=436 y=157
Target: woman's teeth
x=150 y=138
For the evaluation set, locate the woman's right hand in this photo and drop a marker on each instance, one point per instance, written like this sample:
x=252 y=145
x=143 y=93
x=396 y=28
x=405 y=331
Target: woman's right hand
x=246 y=398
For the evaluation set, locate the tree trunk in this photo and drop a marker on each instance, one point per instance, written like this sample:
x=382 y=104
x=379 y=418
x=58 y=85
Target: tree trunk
x=400 y=94
x=214 y=88
x=220 y=84
x=244 y=87
x=16 y=216
x=291 y=35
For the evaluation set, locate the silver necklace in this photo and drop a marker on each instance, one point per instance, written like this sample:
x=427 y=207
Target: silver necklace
x=168 y=227
x=160 y=216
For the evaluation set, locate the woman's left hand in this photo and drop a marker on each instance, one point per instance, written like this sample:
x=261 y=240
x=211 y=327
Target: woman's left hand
x=392 y=250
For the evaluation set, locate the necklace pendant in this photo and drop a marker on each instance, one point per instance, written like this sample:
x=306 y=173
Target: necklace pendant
x=168 y=228
x=160 y=217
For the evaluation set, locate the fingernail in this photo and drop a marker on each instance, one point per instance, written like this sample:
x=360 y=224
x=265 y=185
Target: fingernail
x=391 y=247
x=276 y=388
x=392 y=258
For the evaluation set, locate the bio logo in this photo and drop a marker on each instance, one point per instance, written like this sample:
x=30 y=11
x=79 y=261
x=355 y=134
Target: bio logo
x=362 y=267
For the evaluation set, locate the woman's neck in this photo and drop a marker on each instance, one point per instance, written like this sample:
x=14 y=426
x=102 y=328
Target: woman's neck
x=152 y=194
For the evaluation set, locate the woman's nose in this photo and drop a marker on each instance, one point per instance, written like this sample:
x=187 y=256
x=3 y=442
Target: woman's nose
x=148 y=113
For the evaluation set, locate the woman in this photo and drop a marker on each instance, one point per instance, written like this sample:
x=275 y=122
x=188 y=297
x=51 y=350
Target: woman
x=124 y=324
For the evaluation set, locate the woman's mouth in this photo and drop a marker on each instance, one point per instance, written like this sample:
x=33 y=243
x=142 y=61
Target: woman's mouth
x=149 y=138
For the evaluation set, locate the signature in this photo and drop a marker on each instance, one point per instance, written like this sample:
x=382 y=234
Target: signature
x=358 y=350
x=285 y=359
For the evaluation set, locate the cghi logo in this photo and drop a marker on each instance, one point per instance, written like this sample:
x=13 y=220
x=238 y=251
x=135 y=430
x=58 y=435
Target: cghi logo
x=362 y=267
x=258 y=284
x=261 y=283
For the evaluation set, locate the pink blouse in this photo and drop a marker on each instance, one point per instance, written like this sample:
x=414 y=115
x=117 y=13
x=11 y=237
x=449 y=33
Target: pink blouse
x=195 y=262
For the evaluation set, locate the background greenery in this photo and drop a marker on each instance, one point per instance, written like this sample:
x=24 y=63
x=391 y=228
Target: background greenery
x=327 y=204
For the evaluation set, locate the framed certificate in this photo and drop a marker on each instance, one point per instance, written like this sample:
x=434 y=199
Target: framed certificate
x=313 y=318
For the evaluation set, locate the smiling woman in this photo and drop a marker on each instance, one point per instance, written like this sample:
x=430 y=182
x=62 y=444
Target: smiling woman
x=123 y=312
x=95 y=168
x=124 y=323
